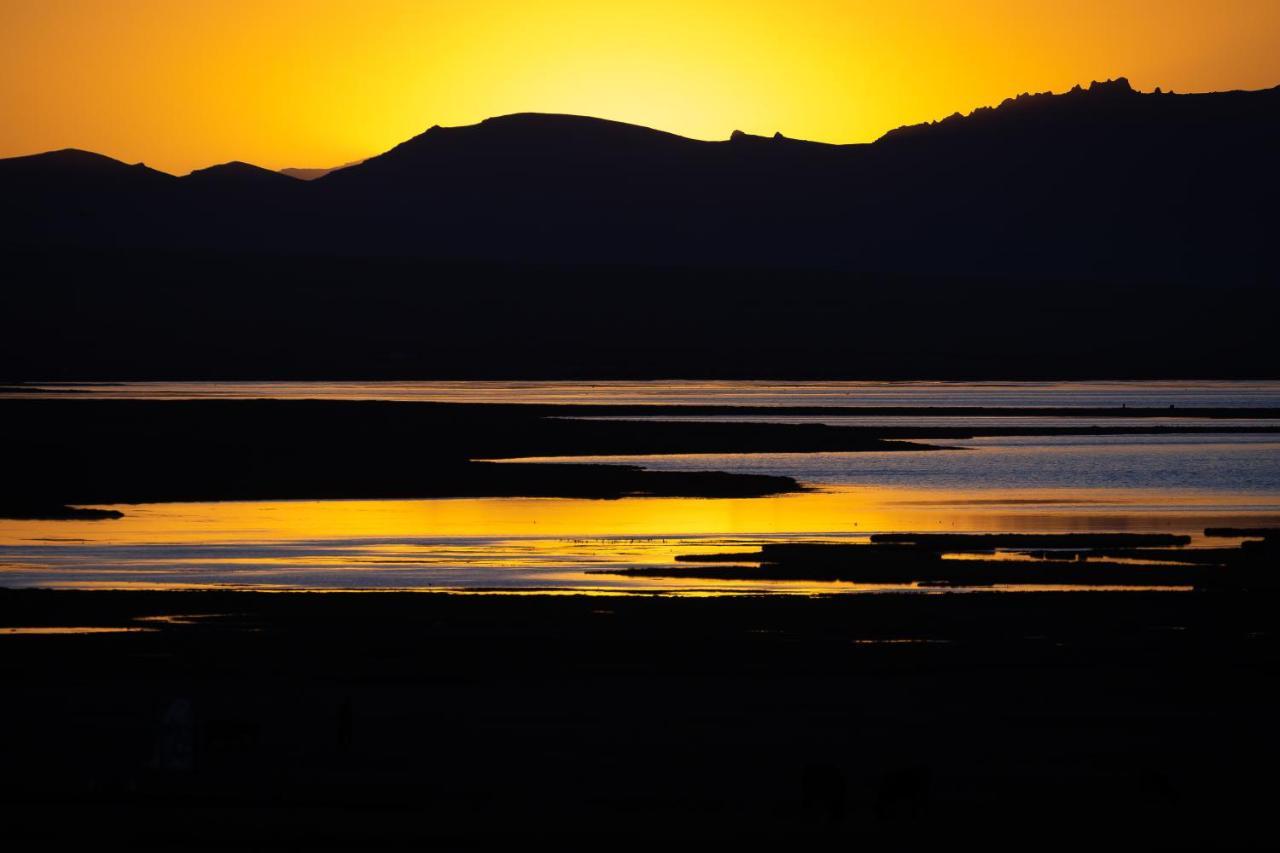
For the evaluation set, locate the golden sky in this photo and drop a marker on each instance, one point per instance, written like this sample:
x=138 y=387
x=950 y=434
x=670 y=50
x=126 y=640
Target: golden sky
x=183 y=84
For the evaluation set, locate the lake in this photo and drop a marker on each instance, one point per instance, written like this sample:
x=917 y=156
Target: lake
x=1225 y=394
x=1135 y=483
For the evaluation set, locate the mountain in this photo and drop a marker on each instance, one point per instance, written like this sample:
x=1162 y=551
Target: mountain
x=239 y=174
x=1100 y=183
x=96 y=179
x=312 y=174
x=1080 y=233
x=74 y=164
x=74 y=199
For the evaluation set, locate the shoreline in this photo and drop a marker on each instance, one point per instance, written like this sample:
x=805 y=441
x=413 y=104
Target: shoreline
x=81 y=452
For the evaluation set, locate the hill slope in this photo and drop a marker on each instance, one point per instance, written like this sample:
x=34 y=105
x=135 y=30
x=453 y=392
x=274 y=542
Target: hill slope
x=1098 y=233
x=1097 y=184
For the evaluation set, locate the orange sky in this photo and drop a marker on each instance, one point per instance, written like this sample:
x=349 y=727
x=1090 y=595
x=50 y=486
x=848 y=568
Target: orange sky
x=182 y=84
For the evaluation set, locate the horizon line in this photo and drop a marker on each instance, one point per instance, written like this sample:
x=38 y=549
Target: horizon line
x=1157 y=90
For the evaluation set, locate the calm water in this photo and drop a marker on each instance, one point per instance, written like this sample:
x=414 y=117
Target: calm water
x=540 y=544
x=1067 y=483
x=736 y=393
x=954 y=421
x=1244 y=467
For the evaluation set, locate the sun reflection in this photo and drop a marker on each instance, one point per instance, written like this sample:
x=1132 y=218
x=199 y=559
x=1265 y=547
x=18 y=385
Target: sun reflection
x=598 y=525
x=533 y=544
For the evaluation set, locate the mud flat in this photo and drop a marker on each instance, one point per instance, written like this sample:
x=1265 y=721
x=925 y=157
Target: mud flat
x=1074 y=559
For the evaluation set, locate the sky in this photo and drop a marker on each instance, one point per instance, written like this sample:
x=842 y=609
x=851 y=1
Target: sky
x=184 y=84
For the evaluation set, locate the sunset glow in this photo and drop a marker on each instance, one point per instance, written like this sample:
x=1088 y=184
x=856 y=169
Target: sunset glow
x=323 y=82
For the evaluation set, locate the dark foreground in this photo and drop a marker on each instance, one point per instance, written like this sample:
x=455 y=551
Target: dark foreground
x=1139 y=720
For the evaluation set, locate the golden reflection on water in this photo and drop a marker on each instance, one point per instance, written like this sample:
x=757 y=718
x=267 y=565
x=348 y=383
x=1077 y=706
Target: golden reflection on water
x=836 y=511
x=698 y=392
x=540 y=543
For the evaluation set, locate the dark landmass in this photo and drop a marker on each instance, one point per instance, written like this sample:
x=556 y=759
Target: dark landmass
x=969 y=542
x=435 y=721
x=114 y=314
x=1205 y=556
x=1264 y=532
x=1096 y=559
x=29 y=512
x=75 y=451
x=932 y=571
x=466 y=431
x=217 y=477
x=1105 y=184
x=236 y=175
x=69 y=451
x=304 y=174
x=993 y=245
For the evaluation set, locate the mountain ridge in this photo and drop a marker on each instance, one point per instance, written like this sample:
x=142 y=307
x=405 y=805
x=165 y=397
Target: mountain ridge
x=310 y=174
x=1107 y=88
x=236 y=171
x=1099 y=183
x=1099 y=233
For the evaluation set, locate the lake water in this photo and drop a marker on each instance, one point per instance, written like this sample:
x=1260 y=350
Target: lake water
x=1245 y=466
x=1244 y=394
x=1157 y=483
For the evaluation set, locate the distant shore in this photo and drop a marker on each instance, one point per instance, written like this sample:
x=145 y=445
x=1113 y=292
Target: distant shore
x=78 y=452
x=68 y=452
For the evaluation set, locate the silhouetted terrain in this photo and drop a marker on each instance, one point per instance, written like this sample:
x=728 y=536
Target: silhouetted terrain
x=1074 y=559
x=219 y=316
x=1104 y=184
x=1102 y=232
x=65 y=450
x=306 y=174
x=1129 y=721
x=68 y=451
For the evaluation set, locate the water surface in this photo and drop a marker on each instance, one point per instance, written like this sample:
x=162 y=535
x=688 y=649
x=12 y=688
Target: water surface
x=1145 y=483
x=549 y=544
x=1182 y=394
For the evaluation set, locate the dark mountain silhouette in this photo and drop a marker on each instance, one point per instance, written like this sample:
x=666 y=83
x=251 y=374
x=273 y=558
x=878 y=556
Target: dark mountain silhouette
x=312 y=174
x=236 y=173
x=76 y=199
x=48 y=181
x=1005 y=240
x=55 y=169
x=1101 y=183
